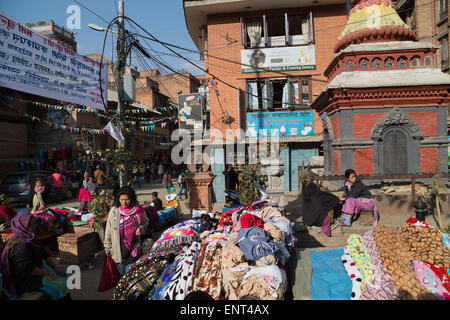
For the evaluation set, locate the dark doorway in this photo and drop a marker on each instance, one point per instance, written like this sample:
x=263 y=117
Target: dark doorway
x=395 y=158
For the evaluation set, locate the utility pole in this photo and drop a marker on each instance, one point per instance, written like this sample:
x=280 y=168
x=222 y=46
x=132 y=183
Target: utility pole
x=120 y=70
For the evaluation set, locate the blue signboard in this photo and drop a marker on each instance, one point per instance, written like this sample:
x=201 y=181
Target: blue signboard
x=280 y=124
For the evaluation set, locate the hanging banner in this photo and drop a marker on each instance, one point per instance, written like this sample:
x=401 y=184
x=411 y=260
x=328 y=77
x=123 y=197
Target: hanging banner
x=32 y=63
x=190 y=112
x=114 y=132
x=280 y=124
x=278 y=59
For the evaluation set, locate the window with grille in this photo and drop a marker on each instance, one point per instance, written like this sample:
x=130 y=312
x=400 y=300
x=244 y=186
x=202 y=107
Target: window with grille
x=273 y=94
x=274 y=31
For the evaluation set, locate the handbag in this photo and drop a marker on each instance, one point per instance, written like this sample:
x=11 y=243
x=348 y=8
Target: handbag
x=110 y=274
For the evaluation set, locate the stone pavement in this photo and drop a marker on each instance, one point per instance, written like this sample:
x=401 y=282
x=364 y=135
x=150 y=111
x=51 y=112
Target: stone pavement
x=305 y=240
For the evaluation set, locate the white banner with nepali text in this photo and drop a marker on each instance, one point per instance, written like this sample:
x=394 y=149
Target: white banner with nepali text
x=32 y=63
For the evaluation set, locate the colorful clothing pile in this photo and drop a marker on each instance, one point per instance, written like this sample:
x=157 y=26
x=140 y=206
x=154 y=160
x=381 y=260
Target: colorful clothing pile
x=410 y=262
x=203 y=254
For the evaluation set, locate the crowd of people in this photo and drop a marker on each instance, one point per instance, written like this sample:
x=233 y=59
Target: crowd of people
x=86 y=174
x=28 y=267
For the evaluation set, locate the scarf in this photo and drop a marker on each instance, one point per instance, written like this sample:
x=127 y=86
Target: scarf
x=84 y=195
x=348 y=184
x=130 y=211
x=39 y=189
x=130 y=220
x=19 y=226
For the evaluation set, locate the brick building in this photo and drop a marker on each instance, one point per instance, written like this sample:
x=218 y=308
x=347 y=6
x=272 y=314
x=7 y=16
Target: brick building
x=271 y=55
x=171 y=85
x=430 y=21
x=385 y=107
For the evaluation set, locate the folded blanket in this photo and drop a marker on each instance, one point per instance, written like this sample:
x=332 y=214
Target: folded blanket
x=329 y=279
x=380 y=286
x=396 y=251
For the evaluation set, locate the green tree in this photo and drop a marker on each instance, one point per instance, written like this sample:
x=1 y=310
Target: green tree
x=248 y=182
x=122 y=161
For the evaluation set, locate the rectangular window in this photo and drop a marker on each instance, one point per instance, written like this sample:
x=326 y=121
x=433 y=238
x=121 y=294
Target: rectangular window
x=273 y=94
x=254 y=33
x=444 y=50
x=275 y=31
x=443 y=8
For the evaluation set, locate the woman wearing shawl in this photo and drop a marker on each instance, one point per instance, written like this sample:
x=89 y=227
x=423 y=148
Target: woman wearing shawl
x=39 y=197
x=84 y=198
x=315 y=207
x=26 y=267
x=125 y=226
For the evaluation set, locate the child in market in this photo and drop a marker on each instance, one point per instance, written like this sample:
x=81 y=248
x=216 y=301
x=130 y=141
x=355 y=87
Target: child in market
x=356 y=197
x=156 y=202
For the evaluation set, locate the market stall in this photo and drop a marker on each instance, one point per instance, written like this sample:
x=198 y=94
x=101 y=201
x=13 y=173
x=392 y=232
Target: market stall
x=408 y=262
x=238 y=253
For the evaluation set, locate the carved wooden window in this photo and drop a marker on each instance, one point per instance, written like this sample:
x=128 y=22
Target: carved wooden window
x=401 y=62
x=389 y=63
x=415 y=61
x=363 y=64
x=428 y=62
x=444 y=50
x=376 y=63
x=350 y=65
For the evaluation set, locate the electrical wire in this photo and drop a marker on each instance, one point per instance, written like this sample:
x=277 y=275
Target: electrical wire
x=77 y=2
x=206 y=71
x=167 y=46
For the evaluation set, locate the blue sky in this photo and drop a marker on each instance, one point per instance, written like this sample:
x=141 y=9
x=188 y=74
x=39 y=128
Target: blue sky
x=163 y=19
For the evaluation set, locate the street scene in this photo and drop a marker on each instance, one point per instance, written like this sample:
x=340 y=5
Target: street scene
x=224 y=150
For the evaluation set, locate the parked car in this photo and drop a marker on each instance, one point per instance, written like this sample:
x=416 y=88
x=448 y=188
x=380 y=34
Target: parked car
x=18 y=185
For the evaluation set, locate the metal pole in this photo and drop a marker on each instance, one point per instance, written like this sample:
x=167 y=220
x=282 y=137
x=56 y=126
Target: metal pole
x=120 y=67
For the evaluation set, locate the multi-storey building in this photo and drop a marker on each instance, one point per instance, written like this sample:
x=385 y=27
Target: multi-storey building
x=268 y=59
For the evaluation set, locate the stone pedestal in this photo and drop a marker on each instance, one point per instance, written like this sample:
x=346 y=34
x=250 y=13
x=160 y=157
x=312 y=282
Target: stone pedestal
x=200 y=184
x=274 y=169
x=75 y=248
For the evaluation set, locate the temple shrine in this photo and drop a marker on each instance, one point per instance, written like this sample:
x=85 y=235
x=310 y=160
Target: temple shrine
x=384 y=110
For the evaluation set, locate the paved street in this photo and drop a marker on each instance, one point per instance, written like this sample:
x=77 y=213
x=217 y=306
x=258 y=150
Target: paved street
x=305 y=239
x=90 y=277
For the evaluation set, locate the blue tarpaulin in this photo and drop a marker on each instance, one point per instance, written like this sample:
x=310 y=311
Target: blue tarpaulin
x=329 y=279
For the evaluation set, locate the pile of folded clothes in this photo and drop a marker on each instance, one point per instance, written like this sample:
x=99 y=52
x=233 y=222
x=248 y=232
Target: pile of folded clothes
x=239 y=253
x=411 y=262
